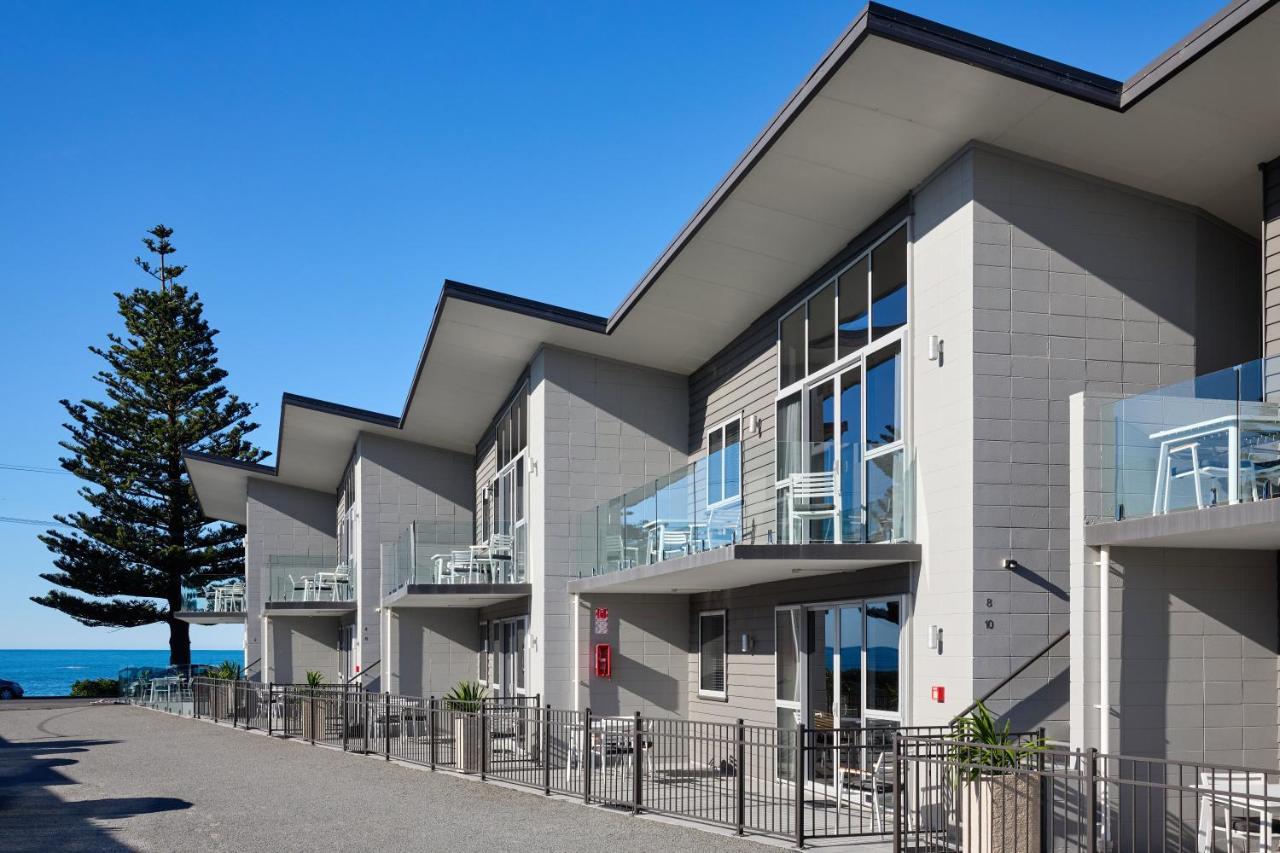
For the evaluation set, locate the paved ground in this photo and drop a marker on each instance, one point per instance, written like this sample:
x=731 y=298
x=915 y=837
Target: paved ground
x=75 y=776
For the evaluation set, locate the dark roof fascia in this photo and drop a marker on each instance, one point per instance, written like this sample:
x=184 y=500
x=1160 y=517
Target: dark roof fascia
x=228 y=462
x=1191 y=47
x=337 y=410
x=503 y=302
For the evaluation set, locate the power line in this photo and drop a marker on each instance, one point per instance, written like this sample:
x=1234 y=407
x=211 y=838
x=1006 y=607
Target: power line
x=34 y=522
x=31 y=469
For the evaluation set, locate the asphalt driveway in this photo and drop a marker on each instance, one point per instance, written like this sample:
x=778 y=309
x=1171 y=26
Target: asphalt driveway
x=75 y=776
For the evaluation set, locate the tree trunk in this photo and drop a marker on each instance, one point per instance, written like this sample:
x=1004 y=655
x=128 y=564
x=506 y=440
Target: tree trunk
x=179 y=642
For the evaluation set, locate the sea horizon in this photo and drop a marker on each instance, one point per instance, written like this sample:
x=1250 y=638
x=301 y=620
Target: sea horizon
x=51 y=672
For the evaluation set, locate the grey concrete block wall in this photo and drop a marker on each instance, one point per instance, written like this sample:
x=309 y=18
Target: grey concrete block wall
x=280 y=520
x=1193 y=649
x=433 y=649
x=400 y=482
x=649 y=636
x=597 y=428
x=1078 y=285
x=301 y=644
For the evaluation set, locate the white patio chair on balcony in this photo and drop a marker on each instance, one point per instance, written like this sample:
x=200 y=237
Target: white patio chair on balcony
x=1248 y=808
x=670 y=543
x=301 y=587
x=812 y=498
x=461 y=566
x=616 y=549
x=501 y=556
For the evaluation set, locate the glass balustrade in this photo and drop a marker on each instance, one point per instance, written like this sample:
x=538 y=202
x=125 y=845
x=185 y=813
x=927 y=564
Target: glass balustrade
x=1208 y=441
x=438 y=552
x=298 y=578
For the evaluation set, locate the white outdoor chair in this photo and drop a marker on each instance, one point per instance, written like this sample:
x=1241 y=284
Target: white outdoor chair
x=461 y=565
x=342 y=584
x=671 y=543
x=301 y=587
x=1241 y=798
x=874 y=787
x=501 y=555
x=1200 y=473
x=813 y=498
x=624 y=552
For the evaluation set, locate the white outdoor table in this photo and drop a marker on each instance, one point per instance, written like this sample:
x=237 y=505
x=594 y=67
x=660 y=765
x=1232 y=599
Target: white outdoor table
x=1229 y=424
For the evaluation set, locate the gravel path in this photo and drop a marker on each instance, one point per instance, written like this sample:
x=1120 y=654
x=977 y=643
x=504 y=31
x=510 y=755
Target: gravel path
x=113 y=778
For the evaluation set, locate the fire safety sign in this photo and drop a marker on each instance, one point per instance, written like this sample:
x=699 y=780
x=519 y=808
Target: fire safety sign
x=602 y=622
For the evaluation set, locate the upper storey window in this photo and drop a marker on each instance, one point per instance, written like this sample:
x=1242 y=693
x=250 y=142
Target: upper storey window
x=865 y=302
x=513 y=429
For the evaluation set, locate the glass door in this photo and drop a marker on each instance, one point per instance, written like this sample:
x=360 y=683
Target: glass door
x=512 y=636
x=821 y=686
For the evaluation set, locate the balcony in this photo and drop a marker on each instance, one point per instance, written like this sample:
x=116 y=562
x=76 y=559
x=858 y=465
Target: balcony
x=682 y=533
x=439 y=564
x=213 y=600
x=301 y=585
x=1193 y=464
x=826 y=494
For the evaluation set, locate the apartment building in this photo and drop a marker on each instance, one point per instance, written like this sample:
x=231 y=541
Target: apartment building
x=869 y=441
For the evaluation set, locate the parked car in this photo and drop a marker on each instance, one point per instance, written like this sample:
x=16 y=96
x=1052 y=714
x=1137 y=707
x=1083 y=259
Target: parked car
x=10 y=689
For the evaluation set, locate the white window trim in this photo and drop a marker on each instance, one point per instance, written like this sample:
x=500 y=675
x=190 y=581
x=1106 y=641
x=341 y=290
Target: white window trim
x=721 y=695
x=720 y=428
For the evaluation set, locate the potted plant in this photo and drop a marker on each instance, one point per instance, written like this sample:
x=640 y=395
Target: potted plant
x=313 y=707
x=1001 y=794
x=226 y=672
x=465 y=702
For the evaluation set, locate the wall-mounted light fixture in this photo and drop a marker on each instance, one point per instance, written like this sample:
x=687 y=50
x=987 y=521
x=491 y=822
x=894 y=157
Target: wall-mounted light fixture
x=935 y=348
x=746 y=643
x=754 y=425
x=935 y=637
x=1010 y=563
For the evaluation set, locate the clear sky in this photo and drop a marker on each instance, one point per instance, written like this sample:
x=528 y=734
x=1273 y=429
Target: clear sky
x=327 y=165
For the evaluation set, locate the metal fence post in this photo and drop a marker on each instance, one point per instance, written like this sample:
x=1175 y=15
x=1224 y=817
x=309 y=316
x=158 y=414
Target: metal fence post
x=312 y=716
x=799 y=785
x=586 y=756
x=431 y=729
x=546 y=751
x=386 y=727
x=195 y=698
x=741 y=806
x=484 y=743
x=346 y=729
x=899 y=789
x=637 y=743
x=235 y=704
x=1091 y=800
x=271 y=696
x=368 y=717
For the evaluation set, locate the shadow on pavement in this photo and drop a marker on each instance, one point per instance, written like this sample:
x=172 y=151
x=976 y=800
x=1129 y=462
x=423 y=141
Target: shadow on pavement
x=33 y=817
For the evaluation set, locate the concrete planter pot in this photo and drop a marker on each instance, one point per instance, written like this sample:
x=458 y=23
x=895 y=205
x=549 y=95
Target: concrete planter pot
x=1002 y=814
x=467 y=742
x=314 y=716
x=221 y=698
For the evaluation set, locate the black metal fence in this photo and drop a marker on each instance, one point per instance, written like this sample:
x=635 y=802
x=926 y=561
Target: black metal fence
x=921 y=787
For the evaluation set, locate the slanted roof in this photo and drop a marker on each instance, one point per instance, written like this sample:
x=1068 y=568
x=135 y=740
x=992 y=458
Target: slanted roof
x=893 y=98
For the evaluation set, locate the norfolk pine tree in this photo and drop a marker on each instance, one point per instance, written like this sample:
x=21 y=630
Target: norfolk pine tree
x=143 y=536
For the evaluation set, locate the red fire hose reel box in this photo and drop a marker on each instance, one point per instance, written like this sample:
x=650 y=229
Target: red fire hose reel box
x=604 y=660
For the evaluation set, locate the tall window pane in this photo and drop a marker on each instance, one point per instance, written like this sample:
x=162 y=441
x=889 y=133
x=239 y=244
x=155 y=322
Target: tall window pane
x=711 y=654
x=791 y=348
x=853 y=308
x=732 y=460
x=850 y=665
x=884 y=397
x=889 y=285
x=787 y=654
x=790 y=455
x=886 y=504
x=884 y=623
x=851 y=455
x=715 y=467
x=822 y=328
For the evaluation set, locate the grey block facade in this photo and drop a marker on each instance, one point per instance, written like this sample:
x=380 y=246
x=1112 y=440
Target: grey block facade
x=280 y=520
x=432 y=649
x=399 y=482
x=302 y=644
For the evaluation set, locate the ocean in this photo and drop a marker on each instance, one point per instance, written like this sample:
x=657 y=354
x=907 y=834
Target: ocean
x=49 y=672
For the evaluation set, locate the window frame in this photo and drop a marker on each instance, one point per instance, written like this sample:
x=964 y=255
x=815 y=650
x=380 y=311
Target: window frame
x=856 y=360
x=722 y=428
x=721 y=695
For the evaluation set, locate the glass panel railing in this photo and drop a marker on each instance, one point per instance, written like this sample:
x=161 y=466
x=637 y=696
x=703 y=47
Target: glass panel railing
x=1207 y=441
x=832 y=496
x=214 y=594
x=660 y=520
x=309 y=578
x=439 y=552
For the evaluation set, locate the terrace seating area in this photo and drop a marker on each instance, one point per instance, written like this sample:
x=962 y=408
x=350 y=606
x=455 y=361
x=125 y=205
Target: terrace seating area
x=332 y=585
x=491 y=561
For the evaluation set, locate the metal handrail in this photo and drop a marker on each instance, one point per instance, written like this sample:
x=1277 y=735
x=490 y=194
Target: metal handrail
x=1011 y=676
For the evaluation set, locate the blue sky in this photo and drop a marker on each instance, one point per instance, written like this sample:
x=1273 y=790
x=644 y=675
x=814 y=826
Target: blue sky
x=327 y=165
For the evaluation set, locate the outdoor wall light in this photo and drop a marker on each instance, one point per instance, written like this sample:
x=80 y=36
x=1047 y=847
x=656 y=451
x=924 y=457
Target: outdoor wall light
x=753 y=425
x=1010 y=564
x=746 y=643
x=935 y=348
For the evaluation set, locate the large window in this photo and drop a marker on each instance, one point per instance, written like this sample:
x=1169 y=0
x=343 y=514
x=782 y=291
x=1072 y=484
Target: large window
x=503 y=523
x=724 y=463
x=841 y=471
x=711 y=654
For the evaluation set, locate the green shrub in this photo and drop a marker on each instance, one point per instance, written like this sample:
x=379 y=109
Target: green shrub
x=96 y=687
x=314 y=678
x=228 y=670
x=465 y=696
